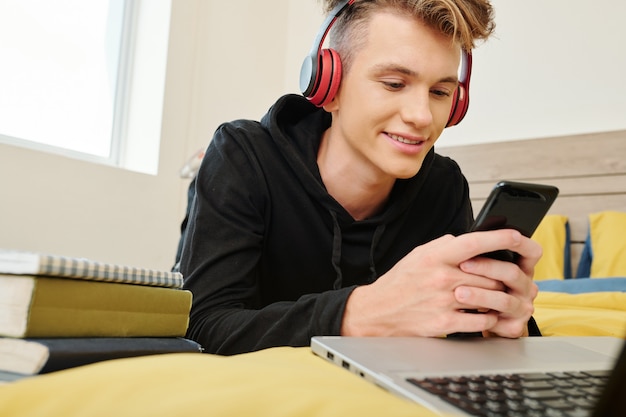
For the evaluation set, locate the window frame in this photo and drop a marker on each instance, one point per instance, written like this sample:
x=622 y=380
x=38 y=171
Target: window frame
x=128 y=144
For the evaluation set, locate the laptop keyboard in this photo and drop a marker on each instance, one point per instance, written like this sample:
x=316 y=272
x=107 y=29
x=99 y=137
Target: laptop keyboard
x=555 y=394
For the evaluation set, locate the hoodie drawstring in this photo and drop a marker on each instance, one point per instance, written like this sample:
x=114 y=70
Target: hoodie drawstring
x=336 y=257
x=378 y=233
x=336 y=254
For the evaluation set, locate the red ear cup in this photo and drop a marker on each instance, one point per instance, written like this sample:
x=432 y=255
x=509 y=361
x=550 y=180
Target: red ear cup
x=460 y=104
x=320 y=74
x=460 y=99
x=328 y=78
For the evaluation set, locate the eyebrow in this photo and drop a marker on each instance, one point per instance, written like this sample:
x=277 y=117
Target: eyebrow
x=381 y=68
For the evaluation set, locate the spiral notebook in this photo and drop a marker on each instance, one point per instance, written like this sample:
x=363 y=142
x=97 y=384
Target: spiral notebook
x=31 y=263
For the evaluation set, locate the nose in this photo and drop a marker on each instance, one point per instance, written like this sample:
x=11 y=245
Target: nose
x=417 y=110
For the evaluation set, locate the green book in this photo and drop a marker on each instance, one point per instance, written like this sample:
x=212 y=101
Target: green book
x=38 y=306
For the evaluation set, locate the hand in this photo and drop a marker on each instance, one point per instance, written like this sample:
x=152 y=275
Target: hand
x=427 y=292
x=515 y=304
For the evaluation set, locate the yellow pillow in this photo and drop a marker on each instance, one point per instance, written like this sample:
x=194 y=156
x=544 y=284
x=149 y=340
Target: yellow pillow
x=589 y=314
x=552 y=235
x=277 y=382
x=608 y=244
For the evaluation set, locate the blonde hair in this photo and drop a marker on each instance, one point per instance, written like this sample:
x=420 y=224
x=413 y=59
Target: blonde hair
x=463 y=21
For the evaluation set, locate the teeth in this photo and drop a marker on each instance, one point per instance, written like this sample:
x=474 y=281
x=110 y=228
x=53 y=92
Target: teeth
x=403 y=140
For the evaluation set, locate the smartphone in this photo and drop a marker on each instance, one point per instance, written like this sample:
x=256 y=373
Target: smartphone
x=515 y=205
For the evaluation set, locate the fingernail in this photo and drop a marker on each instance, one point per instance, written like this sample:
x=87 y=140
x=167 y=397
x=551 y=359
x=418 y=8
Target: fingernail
x=462 y=293
x=467 y=265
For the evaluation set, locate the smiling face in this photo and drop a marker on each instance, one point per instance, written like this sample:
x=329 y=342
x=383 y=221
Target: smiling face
x=394 y=100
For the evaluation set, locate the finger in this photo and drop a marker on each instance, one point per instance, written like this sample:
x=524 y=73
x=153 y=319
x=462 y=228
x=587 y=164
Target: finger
x=512 y=331
x=512 y=312
x=468 y=323
x=479 y=298
x=510 y=275
x=482 y=282
x=532 y=255
x=510 y=328
x=473 y=244
x=491 y=268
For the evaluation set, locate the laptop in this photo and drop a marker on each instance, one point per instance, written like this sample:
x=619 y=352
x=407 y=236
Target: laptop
x=531 y=376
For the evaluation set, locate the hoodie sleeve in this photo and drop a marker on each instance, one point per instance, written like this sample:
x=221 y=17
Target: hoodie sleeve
x=222 y=252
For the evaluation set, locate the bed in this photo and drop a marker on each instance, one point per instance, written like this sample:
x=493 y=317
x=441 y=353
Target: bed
x=590 y=171
x=582 y=275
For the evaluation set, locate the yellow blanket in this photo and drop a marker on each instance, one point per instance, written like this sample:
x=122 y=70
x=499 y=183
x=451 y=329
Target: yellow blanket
x=278 y=382
x=588 y=314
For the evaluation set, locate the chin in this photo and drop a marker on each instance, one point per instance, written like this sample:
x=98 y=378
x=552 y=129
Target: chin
x=405 y=174
x=409 y=169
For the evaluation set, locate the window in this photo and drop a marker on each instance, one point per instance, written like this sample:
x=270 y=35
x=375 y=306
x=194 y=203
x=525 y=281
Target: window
x=66 y=73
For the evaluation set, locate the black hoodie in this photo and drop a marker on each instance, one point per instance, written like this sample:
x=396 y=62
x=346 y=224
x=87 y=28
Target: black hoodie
x=271 y=257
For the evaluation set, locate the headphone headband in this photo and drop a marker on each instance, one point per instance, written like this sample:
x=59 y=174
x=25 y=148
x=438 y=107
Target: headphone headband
x=320 y=74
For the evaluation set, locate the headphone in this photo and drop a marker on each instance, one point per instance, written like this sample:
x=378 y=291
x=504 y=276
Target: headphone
x=320 y=74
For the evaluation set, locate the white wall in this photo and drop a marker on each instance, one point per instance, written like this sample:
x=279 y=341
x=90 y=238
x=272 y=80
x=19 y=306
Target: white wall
x=247 y=56
x=556 y=67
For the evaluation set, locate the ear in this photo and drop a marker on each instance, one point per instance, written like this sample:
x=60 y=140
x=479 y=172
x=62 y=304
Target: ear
x=333 y=105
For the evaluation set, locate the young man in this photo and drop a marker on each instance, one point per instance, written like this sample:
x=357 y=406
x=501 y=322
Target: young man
x=342 y=220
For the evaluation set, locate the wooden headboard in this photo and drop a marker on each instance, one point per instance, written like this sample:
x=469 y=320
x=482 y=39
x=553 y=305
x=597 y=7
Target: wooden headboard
x=589 y=170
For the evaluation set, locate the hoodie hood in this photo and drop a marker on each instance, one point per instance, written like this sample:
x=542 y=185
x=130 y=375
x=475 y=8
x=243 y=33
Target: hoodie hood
x=296 y=127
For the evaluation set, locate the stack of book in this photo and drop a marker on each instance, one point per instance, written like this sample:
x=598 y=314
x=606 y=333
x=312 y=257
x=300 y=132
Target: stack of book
x=58 y=312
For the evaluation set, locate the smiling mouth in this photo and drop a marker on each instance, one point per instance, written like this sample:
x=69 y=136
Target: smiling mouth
x=404 y=140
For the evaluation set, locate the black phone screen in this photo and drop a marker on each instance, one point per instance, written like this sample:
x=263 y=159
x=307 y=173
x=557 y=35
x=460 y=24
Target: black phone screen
x=515 y=205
